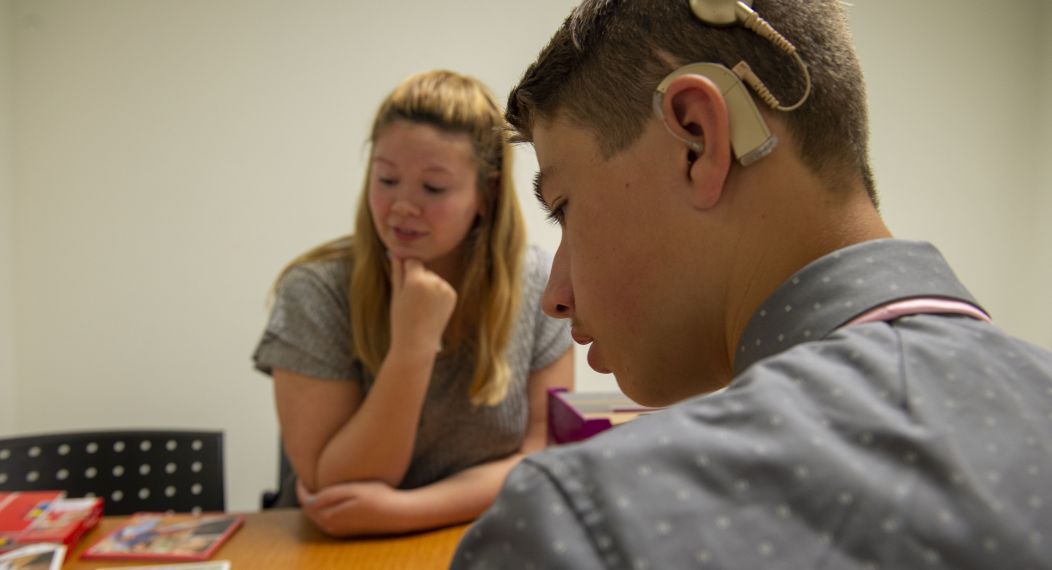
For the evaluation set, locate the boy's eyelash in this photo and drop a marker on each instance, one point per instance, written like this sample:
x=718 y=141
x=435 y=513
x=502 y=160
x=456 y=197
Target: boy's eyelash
x=555 y=214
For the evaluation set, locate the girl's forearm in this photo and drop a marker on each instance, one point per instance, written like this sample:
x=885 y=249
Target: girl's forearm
x=376 y=443
x=459 y=498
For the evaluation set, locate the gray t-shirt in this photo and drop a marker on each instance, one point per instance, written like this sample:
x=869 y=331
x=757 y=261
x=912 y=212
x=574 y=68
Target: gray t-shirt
x=920 y=442
x=309 y=333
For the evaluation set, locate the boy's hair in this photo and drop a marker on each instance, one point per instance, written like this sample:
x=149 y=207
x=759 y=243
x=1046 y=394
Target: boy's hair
x=602 y=66
x=490 y=288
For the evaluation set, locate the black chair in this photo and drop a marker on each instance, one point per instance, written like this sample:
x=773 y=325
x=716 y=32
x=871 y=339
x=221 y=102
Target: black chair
x=133 y=471
x=284 y=495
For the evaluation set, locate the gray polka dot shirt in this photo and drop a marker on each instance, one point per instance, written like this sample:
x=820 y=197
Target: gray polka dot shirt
x=309 y=333
x=923 y=442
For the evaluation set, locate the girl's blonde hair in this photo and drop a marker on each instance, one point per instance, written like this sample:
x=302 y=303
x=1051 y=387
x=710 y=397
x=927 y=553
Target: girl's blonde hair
x=490 y=287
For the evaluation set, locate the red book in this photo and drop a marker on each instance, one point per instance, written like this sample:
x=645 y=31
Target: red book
x=28 y=517
x=161 y=536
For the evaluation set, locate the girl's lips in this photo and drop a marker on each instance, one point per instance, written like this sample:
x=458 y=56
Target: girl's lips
x=404 y=234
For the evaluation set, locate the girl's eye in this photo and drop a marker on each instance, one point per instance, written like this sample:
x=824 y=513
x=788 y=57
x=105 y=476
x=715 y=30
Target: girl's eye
x=387 y=181
x=433 y=189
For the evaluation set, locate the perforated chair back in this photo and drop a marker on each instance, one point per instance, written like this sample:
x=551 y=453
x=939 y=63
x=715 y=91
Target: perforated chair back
x=284 y=494
x=134 y=471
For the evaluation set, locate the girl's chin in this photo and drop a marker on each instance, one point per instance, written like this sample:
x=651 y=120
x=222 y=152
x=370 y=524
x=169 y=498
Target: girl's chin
x=404 y=251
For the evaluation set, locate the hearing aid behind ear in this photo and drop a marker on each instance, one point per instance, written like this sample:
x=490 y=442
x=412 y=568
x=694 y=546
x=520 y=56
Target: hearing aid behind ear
x=751 y=140
x=729 y=12
x=719 y=12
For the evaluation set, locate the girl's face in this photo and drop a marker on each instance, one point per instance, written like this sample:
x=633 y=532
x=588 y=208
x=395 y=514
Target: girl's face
x=423 y=192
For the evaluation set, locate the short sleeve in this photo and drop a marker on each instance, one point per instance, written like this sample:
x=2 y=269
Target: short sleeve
x=551 y=337
x=530 y=523
x=309 y=327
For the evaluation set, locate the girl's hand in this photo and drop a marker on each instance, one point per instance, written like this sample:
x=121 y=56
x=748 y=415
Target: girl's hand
x=421 y=305
x=355 y=509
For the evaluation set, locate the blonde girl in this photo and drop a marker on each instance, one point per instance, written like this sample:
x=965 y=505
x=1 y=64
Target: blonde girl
x=411 y=359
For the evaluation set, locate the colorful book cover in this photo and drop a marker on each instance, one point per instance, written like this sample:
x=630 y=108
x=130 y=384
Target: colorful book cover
x=43 y=556
x=157 y=536
x=28 y=517
x=215 y=565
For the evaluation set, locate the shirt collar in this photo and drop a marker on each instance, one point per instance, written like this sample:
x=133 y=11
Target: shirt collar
x=837 y=287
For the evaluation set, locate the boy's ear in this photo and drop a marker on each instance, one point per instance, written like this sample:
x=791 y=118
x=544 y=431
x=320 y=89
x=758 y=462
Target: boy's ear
x=695 y=112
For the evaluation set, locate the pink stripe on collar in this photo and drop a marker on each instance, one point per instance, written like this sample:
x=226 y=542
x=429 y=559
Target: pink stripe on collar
x=921 y=306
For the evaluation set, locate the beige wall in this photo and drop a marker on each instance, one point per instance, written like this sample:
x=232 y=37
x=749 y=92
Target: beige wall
x=7 y=364
x=1043 y=191
x=954 y=94
x=171 y=156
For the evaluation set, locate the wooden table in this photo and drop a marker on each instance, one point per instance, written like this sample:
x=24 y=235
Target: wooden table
x=284 y=538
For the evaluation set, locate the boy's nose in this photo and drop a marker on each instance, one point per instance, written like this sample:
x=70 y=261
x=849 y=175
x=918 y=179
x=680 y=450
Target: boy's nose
x=558 y=300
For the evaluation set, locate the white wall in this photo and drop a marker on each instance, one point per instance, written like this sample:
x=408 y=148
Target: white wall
x=954 y=93
x=1043 y=191
x=7 y=364
x=172 y=156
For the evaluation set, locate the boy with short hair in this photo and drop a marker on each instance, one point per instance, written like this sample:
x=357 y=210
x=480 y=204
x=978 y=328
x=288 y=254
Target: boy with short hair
x=720 y=230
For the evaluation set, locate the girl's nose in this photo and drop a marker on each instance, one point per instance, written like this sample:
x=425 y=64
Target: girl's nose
x=404 y=207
